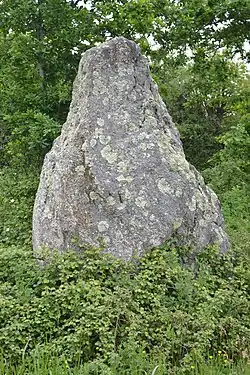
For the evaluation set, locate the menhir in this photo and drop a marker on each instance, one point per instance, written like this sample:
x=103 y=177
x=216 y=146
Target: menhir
x=117 y=173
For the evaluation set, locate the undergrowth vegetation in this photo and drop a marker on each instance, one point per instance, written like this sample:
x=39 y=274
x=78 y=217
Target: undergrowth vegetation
x=93 y=309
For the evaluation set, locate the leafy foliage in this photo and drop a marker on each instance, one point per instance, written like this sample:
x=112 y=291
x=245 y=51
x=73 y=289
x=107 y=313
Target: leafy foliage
x=125 y=318
x=88 y=306
x=201 y=98
x=17 y=191
x=37 y=41
x=41 y=43
x=31 y=138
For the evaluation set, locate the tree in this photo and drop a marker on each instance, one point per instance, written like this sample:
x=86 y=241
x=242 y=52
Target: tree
x=192 y=59
x=40 y=47
x=41 y=42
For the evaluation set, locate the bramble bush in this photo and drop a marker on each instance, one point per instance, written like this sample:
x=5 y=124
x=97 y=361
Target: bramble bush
x=87 y=307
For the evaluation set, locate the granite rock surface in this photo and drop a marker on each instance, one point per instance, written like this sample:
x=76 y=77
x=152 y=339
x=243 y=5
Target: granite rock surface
x=118 y=173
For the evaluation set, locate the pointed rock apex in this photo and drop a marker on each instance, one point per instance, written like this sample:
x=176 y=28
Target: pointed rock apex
x=118 y=173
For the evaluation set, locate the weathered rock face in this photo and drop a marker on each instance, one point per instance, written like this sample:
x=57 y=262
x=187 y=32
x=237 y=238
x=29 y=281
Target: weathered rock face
x=118 y=171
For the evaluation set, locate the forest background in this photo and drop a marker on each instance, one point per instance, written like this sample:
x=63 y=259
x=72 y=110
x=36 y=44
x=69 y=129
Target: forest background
x=199 y=56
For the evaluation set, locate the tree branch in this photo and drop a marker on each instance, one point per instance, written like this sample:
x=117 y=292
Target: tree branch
x=74 y=3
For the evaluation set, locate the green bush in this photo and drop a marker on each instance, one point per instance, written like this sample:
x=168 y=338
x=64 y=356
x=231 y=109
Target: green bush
x=17 y=191
x=31 y=137
x=88 y=306
x=229 y=177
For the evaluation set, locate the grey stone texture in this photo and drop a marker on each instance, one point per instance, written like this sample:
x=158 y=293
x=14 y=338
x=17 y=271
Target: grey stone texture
x=117 y=173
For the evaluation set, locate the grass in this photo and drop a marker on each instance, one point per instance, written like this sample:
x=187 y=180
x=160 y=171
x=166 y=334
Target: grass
x=123 y=363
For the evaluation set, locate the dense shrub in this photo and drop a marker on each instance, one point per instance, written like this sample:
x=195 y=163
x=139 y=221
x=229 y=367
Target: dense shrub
x=89 y=306
x=17 y=192
x=229 y=176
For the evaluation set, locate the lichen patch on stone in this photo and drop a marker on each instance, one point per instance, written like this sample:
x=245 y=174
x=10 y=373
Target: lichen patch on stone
x=93 y=142
x=104 y=140
x=100 y=122
x=108 y=154
x=103 y=226
x=121 y=178
x=141 y=202
x=164 y=186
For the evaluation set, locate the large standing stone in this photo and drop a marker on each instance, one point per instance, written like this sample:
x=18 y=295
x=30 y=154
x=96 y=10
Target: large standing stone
x=118 y=171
